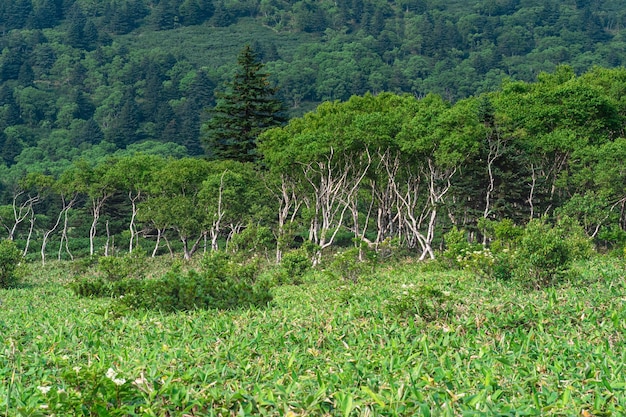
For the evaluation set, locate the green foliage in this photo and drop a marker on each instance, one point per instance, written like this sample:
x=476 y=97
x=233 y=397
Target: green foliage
x=545 y=253
x=83 y=264
x=482 y=261
x=427 y=302
x=243 y=112
x=221 y=284
x=93 y=388
x=294 y=264
x=354 y=263
x=457 y=246
x=74 y=64
x=479 y=346
x=11 y=270
x=86 y=286
x=117 y=268
x=502 y=234
x=254 y=239
x=581 y=246
x=538 y=255
x=504 y=264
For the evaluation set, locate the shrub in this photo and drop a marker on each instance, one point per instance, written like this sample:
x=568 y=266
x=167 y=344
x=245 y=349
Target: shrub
x=581 y=246
x=503 y=265
x=116 y=268
x=293 y=266
x=11 y=271
x=221 y=284
x=545 y=253
x=424 y=301
x=390 y=250
x=459 y=250
x=462 y=254
x=506 y=235
x=456 y=246
x=80 y=266
x=99 y=287
x=479 y=261
x=353 y=263
x=252 y=239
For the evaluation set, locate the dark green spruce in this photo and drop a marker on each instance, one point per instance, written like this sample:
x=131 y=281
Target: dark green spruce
x=246 y=108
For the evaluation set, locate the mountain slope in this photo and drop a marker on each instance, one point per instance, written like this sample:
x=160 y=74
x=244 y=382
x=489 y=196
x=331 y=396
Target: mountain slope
x=83 y=79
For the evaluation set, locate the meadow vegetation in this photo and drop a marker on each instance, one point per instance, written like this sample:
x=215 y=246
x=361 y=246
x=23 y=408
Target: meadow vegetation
x=442 y=235
x=399 y=337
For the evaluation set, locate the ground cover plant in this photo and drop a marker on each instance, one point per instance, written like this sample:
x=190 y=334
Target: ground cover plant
x=412 y=339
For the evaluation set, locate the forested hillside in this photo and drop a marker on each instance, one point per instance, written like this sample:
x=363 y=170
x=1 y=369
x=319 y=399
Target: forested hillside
x=83 y=79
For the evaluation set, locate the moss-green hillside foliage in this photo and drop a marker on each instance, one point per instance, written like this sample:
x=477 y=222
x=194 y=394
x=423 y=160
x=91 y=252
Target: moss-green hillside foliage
x=83 y=78
x=399 y=342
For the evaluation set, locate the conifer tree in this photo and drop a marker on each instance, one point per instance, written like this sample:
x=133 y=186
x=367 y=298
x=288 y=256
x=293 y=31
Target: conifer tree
x=243 y=111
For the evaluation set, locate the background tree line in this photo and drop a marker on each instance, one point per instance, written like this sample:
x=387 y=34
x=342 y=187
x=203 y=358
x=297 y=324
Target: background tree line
x=83 y=79
x=377 y=169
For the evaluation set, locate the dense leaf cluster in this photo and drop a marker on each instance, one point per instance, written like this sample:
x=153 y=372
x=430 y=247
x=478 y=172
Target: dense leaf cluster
x=10 y=258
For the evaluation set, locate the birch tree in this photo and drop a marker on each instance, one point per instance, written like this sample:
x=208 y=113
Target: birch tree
x=133 y=176
x=174 y=201
x=438 y=141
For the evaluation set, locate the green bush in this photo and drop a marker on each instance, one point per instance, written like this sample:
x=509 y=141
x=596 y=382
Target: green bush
x=11 y=271
x=480 y=261
x=293 y=266
x=506 y=235
x=252 y=240
x=545 y=253
x=458 y=247
x=80 y=266
x=503 y=265
x=353 y=263
x=116 y=268
x=570 y=230
x=473 y=257
x=221 y=284
x=424 y=301
x=99 y=287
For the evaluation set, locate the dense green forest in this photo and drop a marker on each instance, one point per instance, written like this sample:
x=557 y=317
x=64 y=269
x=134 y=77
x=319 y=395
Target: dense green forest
x=387 y=169
x=82 y=79
x=433 y=115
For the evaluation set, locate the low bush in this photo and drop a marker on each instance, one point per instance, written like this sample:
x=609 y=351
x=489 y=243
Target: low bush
x=11 y=270
x=220 y=284
x=545 y=252
x=293 y=266
x=81 y=266
x=538 y=255
x=457 y=247
x=474 y=257
x=423 y=301
x=100 y=287
x=253 y=239
x=116 y=268
x=353 y=263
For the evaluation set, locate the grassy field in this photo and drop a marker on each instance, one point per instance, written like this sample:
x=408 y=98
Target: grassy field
x=408 y=340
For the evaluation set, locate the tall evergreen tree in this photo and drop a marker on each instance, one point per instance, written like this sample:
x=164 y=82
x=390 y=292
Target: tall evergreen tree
x=222 y=16
x=243 y=111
